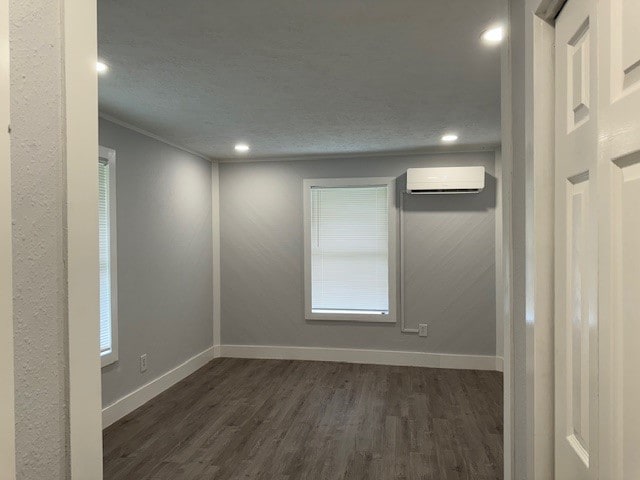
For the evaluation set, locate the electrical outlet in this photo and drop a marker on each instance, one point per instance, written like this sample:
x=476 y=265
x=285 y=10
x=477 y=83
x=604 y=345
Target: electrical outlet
x=422 y=330
x=143 y=363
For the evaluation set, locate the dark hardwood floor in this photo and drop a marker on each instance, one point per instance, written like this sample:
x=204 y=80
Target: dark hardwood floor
x=286 y=420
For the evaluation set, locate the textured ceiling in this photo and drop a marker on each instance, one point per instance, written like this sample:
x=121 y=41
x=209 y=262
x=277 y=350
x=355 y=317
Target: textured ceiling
x=299 y=77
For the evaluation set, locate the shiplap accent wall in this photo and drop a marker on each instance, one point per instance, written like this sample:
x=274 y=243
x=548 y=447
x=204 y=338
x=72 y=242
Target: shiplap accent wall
x=450 y=259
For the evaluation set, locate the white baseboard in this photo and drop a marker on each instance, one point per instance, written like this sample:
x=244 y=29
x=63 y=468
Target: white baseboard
x=377 y=357
x=127 y=404
x=499 y=364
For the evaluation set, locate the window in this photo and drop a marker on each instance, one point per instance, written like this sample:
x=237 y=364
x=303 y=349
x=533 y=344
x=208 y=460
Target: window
x=107 y=256
x=350 y=249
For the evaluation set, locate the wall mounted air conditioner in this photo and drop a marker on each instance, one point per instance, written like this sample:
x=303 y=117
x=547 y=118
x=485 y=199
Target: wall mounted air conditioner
x=448 y=180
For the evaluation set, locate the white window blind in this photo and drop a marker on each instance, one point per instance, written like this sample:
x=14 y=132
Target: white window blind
x=104 y=232
x=350 y=250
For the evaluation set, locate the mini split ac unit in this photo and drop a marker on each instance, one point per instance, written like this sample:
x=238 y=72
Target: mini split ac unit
x=448 y=180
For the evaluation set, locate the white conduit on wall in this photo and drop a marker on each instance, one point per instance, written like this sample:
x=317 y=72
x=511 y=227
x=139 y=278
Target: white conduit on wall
x=401 y=229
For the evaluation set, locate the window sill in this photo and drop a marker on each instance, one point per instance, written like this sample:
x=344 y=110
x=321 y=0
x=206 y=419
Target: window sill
x=108 y=358
x=351 y=317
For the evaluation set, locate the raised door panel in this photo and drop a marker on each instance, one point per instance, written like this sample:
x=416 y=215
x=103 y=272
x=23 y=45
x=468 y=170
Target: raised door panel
x=578 y=80
x=622 y=19
x=625 y=321
x=630 y=48
x=577 y=358
x=630 y=320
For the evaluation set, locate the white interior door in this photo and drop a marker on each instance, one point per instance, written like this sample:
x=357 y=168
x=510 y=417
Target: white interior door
x=576 y=319
x=619 y=167
x=598 y=240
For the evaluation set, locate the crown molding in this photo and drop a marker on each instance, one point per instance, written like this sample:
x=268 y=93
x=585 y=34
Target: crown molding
x=146 y=133
x=439 y=149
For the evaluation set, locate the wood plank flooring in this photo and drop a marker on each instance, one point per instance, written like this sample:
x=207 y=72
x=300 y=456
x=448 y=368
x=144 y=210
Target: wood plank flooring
x=290 y=420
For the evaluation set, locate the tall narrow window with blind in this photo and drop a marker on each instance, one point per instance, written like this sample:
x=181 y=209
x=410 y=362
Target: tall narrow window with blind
x=350 y=249
x=107 y=256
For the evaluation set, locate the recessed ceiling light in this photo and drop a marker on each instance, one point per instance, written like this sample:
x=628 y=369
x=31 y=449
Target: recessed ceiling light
x=101 y=67
x=449 y=137
x=493 y=36
x=241 y=147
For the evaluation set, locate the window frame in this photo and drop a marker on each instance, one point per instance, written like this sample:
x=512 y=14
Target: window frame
x=390 y=183
x=109 y=155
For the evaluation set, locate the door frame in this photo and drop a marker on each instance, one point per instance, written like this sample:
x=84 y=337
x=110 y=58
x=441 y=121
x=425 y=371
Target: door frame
x=528 y=140
x=540 y=297
x=80 y=29
x=7 y=418
x=540 y=241
x=540 y=78
x=80 y=26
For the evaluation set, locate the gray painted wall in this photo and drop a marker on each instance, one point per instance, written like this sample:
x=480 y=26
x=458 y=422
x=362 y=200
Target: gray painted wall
x=38 y=197
x=450 y=259
x=165 y=260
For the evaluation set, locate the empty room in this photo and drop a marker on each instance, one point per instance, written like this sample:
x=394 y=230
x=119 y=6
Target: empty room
x=330 y=240
x=310 y=194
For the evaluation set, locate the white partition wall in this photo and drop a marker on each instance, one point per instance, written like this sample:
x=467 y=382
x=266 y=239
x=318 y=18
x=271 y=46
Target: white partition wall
x=7 y=435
